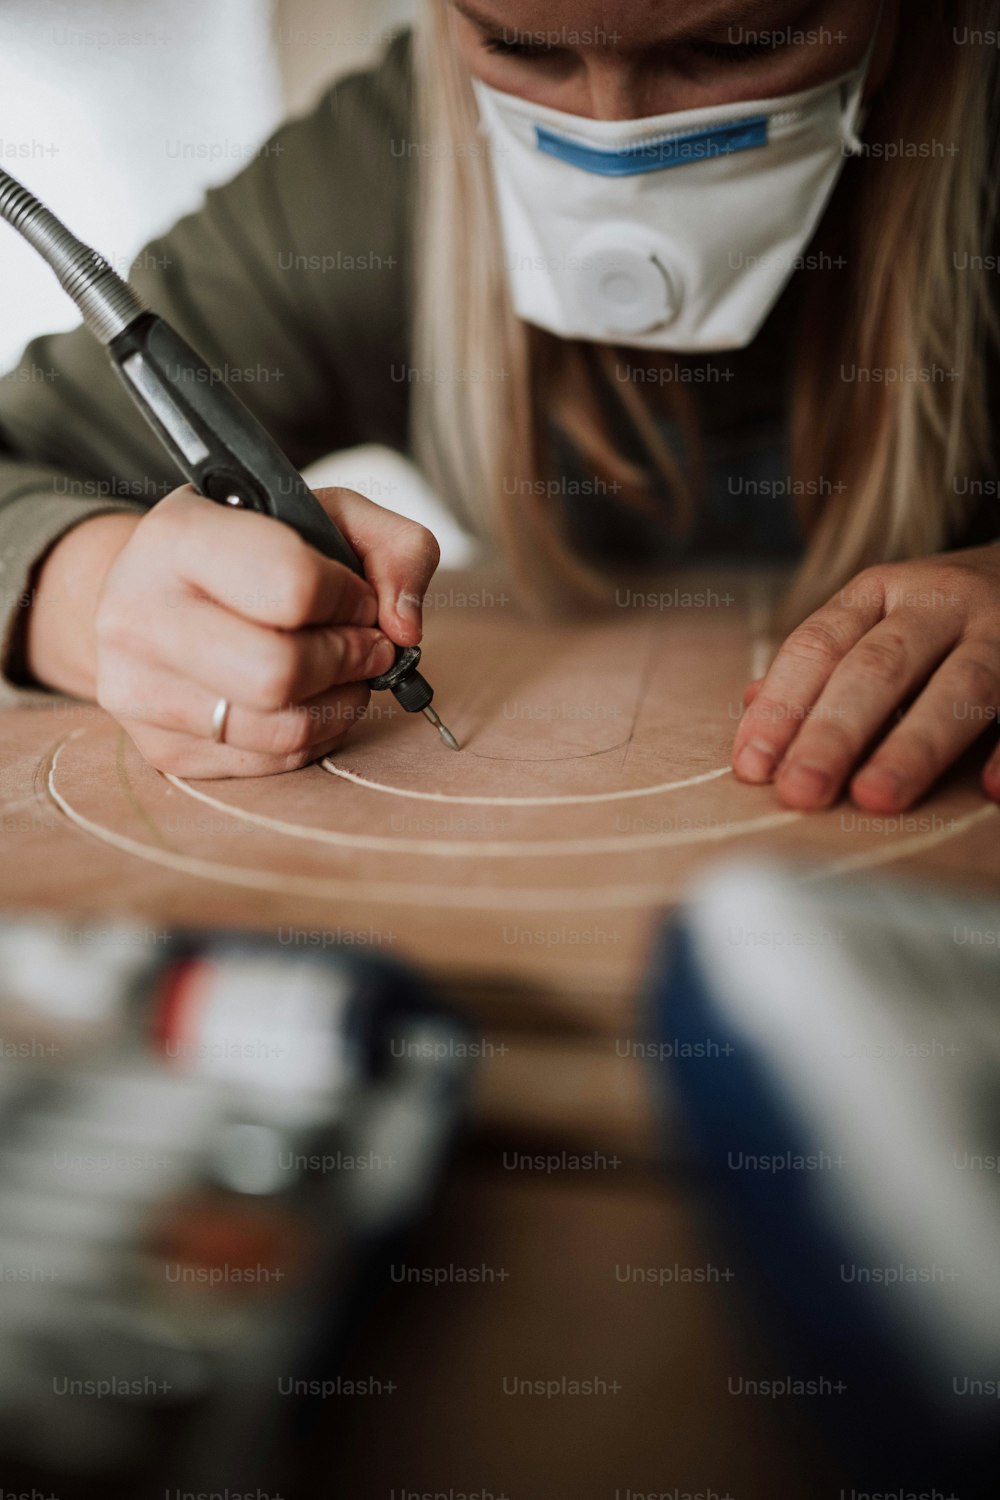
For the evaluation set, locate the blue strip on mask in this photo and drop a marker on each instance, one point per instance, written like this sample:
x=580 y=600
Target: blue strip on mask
x=653 y=156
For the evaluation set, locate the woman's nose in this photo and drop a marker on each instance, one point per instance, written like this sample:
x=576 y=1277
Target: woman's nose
x=613 y=89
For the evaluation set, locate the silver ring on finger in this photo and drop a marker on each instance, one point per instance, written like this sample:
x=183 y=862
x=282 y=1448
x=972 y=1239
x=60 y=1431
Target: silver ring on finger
x=220 y=719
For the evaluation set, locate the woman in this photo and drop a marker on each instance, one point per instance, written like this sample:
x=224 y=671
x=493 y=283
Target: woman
x=611 y=287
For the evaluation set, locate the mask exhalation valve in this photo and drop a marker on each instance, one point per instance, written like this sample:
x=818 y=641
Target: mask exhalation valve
x=621 y=282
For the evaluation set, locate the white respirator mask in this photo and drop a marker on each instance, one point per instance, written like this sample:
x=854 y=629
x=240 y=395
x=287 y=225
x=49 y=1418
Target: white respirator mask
x=674 y=232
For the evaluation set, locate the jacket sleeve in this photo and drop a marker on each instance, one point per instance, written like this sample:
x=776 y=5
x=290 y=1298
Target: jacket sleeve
x=290 y=280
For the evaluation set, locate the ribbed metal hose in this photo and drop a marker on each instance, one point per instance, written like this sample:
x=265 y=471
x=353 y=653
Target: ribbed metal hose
x=107 y=302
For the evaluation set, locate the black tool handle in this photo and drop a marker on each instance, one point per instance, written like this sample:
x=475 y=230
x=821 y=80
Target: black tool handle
x=214 y=438
x=227 y=455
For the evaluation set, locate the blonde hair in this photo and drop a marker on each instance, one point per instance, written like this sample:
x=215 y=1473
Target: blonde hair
x=889 y=452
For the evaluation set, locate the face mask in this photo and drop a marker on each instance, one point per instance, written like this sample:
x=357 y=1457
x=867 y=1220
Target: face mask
x=673 y=232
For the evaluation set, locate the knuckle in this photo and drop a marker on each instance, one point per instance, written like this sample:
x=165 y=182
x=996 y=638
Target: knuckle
x=340 y=652
x=883 y=658
x=297 y=578
x=354 y=655
x=868 y=588
x=817 y=642
x=976 y=678
x=767 y=710
x=274 y=674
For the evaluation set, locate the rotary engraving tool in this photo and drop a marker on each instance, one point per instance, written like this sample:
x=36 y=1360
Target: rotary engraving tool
x=214 y=439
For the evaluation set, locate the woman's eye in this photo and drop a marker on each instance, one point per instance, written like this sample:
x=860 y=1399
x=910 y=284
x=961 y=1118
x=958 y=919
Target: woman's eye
x=724 y=52
x=737 y=52
x=515 y=48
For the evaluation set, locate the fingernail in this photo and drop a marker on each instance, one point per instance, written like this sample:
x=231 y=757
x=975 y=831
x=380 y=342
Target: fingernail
x=806 y=783
x=885 y=785
x=380 y=657
x=408 y=607
x=755 y=761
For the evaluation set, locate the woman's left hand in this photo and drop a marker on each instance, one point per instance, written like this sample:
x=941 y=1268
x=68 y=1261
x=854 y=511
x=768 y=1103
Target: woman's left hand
x=924 y=634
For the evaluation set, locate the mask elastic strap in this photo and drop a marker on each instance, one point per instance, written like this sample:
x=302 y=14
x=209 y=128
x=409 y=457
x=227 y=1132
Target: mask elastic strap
x=853 y=114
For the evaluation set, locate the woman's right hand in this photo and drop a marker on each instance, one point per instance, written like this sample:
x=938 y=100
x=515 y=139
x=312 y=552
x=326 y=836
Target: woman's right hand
x=200 y=602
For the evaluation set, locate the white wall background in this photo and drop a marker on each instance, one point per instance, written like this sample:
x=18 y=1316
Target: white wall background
x=119 y=113
x=103 y=107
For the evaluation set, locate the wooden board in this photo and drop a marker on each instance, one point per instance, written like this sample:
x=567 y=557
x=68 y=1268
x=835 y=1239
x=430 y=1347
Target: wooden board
x=592 y=786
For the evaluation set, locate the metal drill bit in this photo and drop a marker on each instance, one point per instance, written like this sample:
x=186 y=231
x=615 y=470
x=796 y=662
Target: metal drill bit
x=441 y=728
